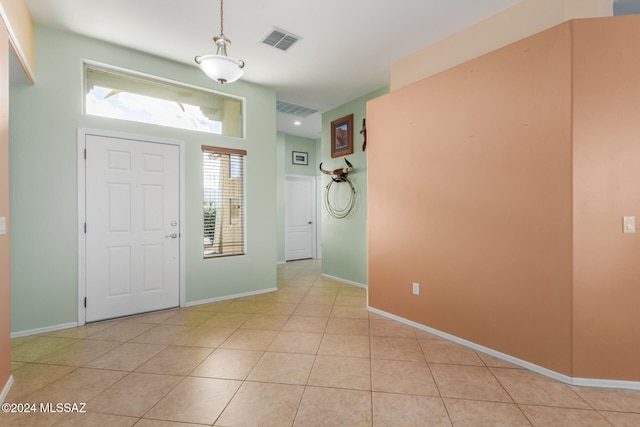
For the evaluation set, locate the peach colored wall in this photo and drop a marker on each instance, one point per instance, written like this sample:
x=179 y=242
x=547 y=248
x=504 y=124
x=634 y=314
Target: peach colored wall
x=5 y=365
x=519 y=167
x=515 y=23
x=16 y=17
x=480 y=213
x=21 y=25
x=606 y=188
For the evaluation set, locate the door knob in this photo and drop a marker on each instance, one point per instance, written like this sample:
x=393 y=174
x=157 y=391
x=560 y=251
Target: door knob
x=310 y=222
x=172 y=236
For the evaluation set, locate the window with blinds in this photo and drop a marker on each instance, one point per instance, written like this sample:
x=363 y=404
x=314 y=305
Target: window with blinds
x=223 y=201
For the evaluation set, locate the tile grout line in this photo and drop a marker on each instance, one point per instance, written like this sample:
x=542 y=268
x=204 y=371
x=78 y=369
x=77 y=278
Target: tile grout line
x=313 y=290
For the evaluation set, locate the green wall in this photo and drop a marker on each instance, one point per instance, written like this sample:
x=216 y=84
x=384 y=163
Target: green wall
x=280 y=159
x=344 y=241
x=305 y=145
x=43 y=173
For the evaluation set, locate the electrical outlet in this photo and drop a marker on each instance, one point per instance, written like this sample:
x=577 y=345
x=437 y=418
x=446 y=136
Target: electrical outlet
x=628 y=224
x=416 y=288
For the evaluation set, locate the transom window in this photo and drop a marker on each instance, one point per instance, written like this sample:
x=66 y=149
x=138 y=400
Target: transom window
x=223 y=201
x=130 y=96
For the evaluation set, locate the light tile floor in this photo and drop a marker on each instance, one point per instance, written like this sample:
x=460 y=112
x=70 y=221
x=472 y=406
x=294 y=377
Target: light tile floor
x=309 y=354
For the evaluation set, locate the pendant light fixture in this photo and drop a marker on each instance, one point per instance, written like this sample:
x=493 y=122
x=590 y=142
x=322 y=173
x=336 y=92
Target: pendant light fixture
x=221 y=67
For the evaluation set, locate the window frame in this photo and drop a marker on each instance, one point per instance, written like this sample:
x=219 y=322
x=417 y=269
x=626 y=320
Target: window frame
x=227 y=219
x=153 y=79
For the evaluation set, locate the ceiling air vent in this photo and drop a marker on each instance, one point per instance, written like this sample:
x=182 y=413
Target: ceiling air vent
x=294 y=110
x=280 y=39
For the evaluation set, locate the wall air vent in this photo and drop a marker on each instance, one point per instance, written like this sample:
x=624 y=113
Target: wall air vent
x=280 y=39
x=294 y=110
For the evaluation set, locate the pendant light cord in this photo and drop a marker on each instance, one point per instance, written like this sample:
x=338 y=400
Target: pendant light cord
x=221 y=18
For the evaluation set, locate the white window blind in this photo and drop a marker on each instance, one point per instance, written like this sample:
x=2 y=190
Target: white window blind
x=223 y=172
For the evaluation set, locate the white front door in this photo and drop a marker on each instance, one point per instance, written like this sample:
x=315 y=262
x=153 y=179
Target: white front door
x=300 y=217
x=132 y=218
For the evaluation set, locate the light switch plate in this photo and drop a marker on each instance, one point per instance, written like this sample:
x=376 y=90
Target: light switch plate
x=628 y=224
x=3 y=225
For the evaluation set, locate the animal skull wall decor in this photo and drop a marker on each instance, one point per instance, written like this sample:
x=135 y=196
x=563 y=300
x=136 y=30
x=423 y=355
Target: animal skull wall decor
x=339 y=175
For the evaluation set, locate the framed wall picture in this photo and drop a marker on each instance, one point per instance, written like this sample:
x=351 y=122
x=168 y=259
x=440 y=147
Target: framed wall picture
x=342 y=136
x=299 y=158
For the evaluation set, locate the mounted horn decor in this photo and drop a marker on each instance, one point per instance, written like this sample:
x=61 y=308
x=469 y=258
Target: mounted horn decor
x=339 y=175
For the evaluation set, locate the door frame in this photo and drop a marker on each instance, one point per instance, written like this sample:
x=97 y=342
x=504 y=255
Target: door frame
x=314 y=208
x=82 y=135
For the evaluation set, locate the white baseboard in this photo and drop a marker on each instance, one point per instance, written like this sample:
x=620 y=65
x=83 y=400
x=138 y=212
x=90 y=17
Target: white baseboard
x=43 y=330
x=348 y=282
x=228 y=297
x=514 y=360
x=589 y=382
x=53 y=328
x=6 y=388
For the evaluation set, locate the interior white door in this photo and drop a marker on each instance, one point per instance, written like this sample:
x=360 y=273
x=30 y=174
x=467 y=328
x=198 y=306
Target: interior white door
x=132 y=226
x=300 y=217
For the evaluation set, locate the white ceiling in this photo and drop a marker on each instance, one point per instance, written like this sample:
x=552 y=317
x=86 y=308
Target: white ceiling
x=346 y=50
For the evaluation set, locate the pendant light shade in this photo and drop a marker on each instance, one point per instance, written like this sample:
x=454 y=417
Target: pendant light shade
x=221 y=67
